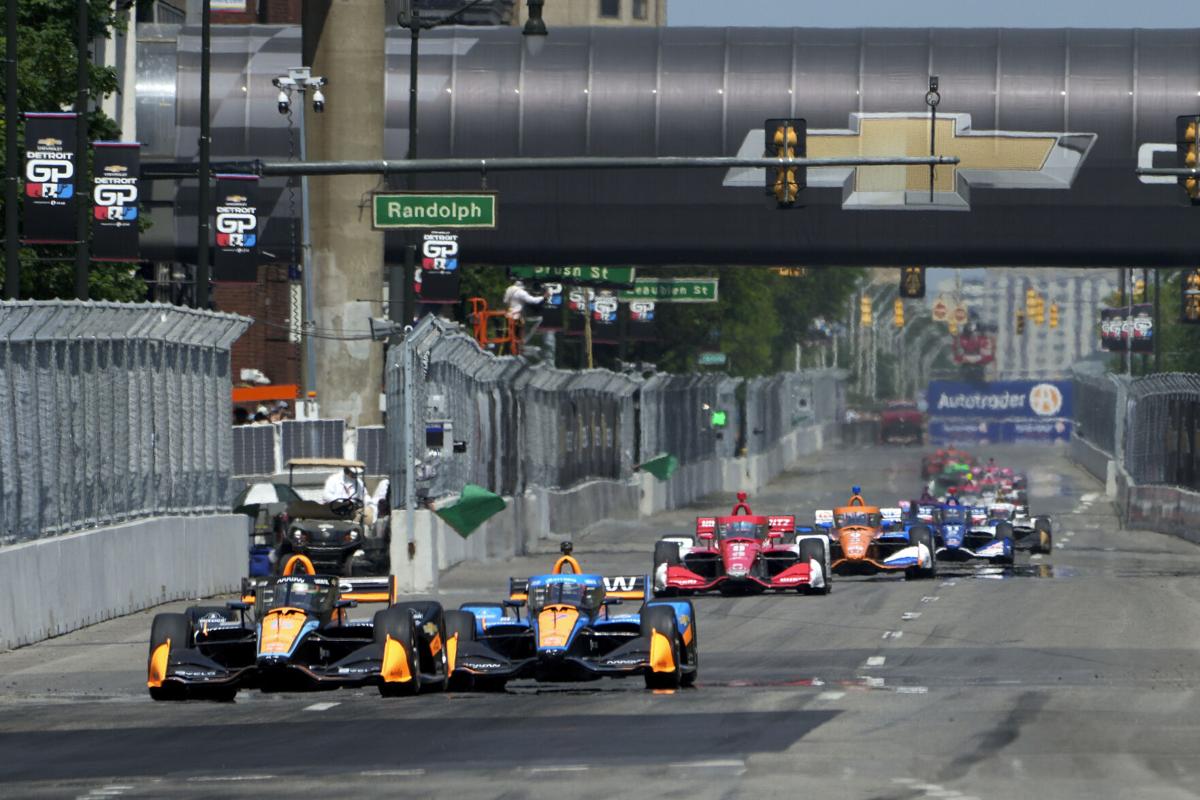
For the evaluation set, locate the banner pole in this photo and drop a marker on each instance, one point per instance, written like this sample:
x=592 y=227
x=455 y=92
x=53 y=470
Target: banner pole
x=82 y=190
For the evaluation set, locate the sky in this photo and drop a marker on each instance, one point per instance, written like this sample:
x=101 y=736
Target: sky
x=938 y=13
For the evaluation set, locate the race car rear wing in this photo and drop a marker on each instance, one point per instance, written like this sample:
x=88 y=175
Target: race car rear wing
x=624 y=587
x=823 y=518
x=782 y=525
x=706 y=526
x=891 y=516
x=384 y=589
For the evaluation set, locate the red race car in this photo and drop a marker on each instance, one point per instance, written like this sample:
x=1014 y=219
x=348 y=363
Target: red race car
x=743 y=553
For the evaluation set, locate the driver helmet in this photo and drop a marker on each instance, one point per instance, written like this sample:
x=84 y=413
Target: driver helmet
x=743 y=527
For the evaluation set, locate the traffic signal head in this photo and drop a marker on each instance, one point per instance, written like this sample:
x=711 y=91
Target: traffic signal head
x=898 y=312
x=912 y=282
x=864 y=311
x=786 y=138
x=1039 y=311
x=1139 y=288
x=1054 y=315
x=1189 y=294
x=1187 y=154
x=1020 y=322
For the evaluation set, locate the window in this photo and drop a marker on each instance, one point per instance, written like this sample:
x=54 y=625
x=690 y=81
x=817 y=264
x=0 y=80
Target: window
x=639 y=9
x=610 y=9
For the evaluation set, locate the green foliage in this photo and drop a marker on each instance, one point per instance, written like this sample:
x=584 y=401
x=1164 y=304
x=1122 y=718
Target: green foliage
x=1179 y=342
x=46 y=76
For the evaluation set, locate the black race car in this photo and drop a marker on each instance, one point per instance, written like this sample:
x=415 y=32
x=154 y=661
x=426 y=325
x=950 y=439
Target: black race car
x=293 y=632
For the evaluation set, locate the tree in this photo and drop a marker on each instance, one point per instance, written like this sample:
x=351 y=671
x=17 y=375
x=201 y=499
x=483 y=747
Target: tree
x=46 y=77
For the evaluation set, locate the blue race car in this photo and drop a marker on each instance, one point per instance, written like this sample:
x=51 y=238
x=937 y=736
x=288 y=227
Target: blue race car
x=566 y=627
x=962 y=533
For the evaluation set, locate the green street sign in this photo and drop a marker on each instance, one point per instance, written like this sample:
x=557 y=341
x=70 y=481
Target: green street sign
x=672 y=290
x=711 y=360
x=433 y=210
x=620 y=276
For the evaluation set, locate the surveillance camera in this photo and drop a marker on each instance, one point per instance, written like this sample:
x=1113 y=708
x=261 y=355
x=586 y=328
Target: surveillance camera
x=318 y=101
x=284 y=102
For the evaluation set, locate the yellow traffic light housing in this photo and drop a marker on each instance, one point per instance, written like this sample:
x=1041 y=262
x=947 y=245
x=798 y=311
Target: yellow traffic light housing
x=1187 y=154
x=786 y=138
x=864 y=311
x=1020 y=322
x=1039 y=311
x=912 y=282
x=1139 y=290
x=1054 y=315
x=898 y=312
x=1031 y=301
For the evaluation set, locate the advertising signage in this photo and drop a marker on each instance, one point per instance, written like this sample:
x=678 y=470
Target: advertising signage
x=1000 y=399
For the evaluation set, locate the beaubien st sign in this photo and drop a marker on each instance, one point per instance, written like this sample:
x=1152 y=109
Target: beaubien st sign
x=672 y=290
x=420 y=210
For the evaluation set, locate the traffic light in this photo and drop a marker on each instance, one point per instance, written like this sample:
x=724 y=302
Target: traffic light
x=1031 y=298
x=1190 y=297
x=1054 y=315
x=864 y=311
x=1139 y=290
x=1039 y=310
x=786 y=138
x=912 y=282
x=898 y=312
x=1020 y=322
x=1187 y=154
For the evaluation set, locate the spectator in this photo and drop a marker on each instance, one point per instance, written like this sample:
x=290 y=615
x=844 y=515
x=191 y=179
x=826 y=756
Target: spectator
x=279 y=412
x=241 y=416
x=347 y=484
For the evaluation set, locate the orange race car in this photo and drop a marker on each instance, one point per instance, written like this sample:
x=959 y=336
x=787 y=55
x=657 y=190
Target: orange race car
x=866 y=540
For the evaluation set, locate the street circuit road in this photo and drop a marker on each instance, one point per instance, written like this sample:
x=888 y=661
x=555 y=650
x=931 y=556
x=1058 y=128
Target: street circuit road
x=1072 y=676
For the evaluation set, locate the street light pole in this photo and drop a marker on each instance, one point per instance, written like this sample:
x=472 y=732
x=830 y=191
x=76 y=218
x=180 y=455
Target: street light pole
x=200 y=290
x=82 y=208
x=12 y=253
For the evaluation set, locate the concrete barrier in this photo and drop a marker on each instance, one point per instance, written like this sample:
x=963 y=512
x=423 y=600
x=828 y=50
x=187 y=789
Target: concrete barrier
x=1096 y=462
x=52 y=586
x=542 y=515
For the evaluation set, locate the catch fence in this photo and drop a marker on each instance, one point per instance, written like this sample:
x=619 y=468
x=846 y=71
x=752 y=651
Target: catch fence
x=505 y=424
x=111 y=412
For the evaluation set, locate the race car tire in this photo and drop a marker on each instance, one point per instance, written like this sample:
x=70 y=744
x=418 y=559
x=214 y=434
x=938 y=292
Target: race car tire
x=661 y=619
x=397 y=623
x=1045 y=540
x=921 y=535
x=462 y=625
x=691 y=651
x=431 y=663
x=812 y=550
x=666 y=553
x=176 y=629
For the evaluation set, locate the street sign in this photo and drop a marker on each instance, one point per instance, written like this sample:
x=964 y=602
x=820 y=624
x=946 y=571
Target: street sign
x=579 y=276
x=398 y=210
x=672 y=290
x=711 y=360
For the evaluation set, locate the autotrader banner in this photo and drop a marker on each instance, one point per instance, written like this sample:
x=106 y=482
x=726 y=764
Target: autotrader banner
x=1000 y=399
x=49 y=179
x=115 y=167
x=236 y=223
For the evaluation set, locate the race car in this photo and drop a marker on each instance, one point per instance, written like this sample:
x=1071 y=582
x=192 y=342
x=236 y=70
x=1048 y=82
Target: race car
x=1034 y=534
x=935 y=463
x=901 y=421
x=961 y=534
x=866 y=540
x=569 y=631
x=292 y=632
x=742 y=553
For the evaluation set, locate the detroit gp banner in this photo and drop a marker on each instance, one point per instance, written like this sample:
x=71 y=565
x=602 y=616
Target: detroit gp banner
x=437 y=276
x=115 y=201
x=50 y=179
x=236 y=224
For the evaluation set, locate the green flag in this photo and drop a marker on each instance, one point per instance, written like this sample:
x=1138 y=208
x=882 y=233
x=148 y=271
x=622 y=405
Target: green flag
x=471 y=510
x=661 y=466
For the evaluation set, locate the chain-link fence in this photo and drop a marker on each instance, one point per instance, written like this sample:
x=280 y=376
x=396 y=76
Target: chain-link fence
x=111 y=412
x=505 y=424
x=1161 y=430
x=1095 y=409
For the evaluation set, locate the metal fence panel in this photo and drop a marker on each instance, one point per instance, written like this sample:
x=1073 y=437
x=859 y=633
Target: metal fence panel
x=112 y=412
x=1161 y=444
x=254 y=450
x=372 y=449
x=312 y=438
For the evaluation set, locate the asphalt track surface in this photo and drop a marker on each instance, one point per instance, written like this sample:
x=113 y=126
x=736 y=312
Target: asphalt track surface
x=1075 y=677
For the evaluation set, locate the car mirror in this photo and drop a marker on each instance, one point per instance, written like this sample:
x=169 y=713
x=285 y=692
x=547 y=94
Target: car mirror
x=346 y=604
x=774 y=534
x=237 y=605
x=613 y=601
x=514 y=603
x=705 y=537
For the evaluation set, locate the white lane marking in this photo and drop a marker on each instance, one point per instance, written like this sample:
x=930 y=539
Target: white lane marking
x=229 y=778
x=391 y=773
x=892 y=634
x=818 y=682
x=910 y=615
x=1062 y=545
x=563 y=768
x=874 y=683
x=912 y=690
x=831 y=695
x=947 y=584
x=874 y=661
x=1038 y=556
x=1110 y=549
x=320 y=706
x=1090 y=497
x=720 y=763
x=108 y=791
x=929 y=599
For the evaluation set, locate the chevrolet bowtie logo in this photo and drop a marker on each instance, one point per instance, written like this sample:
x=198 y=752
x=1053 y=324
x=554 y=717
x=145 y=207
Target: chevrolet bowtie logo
x=989 y=160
